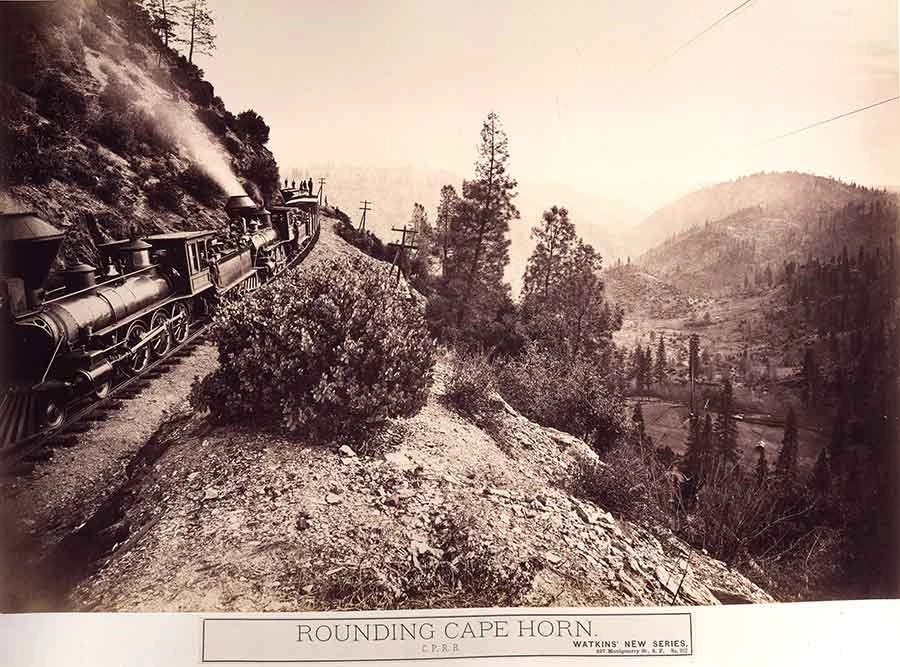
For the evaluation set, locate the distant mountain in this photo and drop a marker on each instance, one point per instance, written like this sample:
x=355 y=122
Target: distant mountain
x=718 y=240
x=395 y=189
x=780 y=194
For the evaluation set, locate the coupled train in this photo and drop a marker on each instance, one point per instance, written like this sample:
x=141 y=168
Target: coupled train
x=67 y=338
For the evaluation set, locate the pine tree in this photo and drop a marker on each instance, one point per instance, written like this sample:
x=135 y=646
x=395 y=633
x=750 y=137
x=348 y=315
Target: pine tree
x=821 y=479
x=693 y=457
x=661 y=364
x=786 y=466
x=546 y=266
x=810 y=377
x=445 y=215
x=637 y=418
x=762 y=467
x=480 y=250
x=726 y=428
x=707 y=437
x=198 y=24
x=165 y=18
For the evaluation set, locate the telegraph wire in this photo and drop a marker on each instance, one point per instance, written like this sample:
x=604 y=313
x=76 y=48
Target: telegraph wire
x=827 y=120
x=700 y=34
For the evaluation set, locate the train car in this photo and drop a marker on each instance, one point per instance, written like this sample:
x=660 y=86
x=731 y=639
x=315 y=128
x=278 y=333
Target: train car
x=72 y=343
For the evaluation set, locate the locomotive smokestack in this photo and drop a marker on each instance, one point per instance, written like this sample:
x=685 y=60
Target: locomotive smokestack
x=28 y=246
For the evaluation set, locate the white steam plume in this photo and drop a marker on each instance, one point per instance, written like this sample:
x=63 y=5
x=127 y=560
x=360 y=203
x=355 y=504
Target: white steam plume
x=174 y=116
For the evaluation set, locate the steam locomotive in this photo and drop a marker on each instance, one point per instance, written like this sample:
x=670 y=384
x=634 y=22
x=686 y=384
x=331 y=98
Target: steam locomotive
x=67 y=338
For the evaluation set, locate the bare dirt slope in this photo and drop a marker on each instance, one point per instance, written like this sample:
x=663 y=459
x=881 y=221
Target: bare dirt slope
x=443 y=514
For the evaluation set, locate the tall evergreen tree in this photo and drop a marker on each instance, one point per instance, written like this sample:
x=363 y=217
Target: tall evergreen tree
x=762 y=467
x=786 y=466
x=810 y=377
x=445 y=215
x=662 y=370
x=693 y=457
x=726 y=428
x=821 y=477
x=637 y=419
x=546 y=267
x=707 y=438
x=198 y=25
x=166 y=16
x=480 y=250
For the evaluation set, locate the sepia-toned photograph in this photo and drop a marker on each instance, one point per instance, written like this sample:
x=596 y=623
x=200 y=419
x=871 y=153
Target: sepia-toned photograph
x=388 y=305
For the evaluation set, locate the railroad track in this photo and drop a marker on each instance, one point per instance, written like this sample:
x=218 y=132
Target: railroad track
x=23 y=455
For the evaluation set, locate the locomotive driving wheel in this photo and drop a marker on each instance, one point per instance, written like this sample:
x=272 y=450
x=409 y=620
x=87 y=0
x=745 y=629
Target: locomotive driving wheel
x=181 y=322
x=163 y=341
x=54 y=415
x=138 y=360
x=101 y=390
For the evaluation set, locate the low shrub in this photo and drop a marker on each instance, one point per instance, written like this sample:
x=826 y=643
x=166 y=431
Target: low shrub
x=200 y=185
x=213 y=121
x=457 y=572
x=59 y=100
x=131 y=131
x=164 y=195
x=31 y=154
x=572 y=395
x=109 y=188
x=251 y=125
x=110 y=130
x=331 y=353
x=262 y=170
x=470 y=383
x=365 y=240
x=625 y=484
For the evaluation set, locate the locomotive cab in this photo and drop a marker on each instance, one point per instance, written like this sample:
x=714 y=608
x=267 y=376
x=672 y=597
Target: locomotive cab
x=185 y=257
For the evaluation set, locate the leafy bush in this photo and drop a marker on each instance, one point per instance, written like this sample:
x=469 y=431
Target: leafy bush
x=252 y=126
x=625 y=483
x=330 y=352
x=31 y=155
x=263 y=170
x=571 y=395
x=131 y=131
x=92 y=37
x=457 y=572
x=470 y=383
x=164 y=195
x=366 y=241
x=61 y=101
x=200 y=185
x=112 y=131
x=213 y=121
x=109 y=188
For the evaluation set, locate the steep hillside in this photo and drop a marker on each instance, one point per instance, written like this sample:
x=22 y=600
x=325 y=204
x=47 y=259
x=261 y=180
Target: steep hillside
x=643 y=294
x=790 y=196
x=105 y=128
x=750 y=246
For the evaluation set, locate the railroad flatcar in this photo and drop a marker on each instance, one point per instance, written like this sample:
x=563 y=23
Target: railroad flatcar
x=70 y=343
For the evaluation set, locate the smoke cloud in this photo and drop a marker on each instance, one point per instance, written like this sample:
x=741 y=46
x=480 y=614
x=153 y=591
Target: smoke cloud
x=175 y=117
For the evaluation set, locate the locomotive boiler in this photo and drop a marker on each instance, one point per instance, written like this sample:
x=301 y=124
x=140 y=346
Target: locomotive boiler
x=68 y=337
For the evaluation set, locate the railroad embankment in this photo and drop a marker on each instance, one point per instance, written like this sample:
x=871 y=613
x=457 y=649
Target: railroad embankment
x=443 y=512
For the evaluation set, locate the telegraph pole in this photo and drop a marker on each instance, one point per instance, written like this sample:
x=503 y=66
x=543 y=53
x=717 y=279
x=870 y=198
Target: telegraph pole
x=321 y=188
x=402 y=247
x=365 y=209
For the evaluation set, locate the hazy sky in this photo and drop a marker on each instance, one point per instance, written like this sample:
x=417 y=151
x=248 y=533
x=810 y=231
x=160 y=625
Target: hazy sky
x=584 y=90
